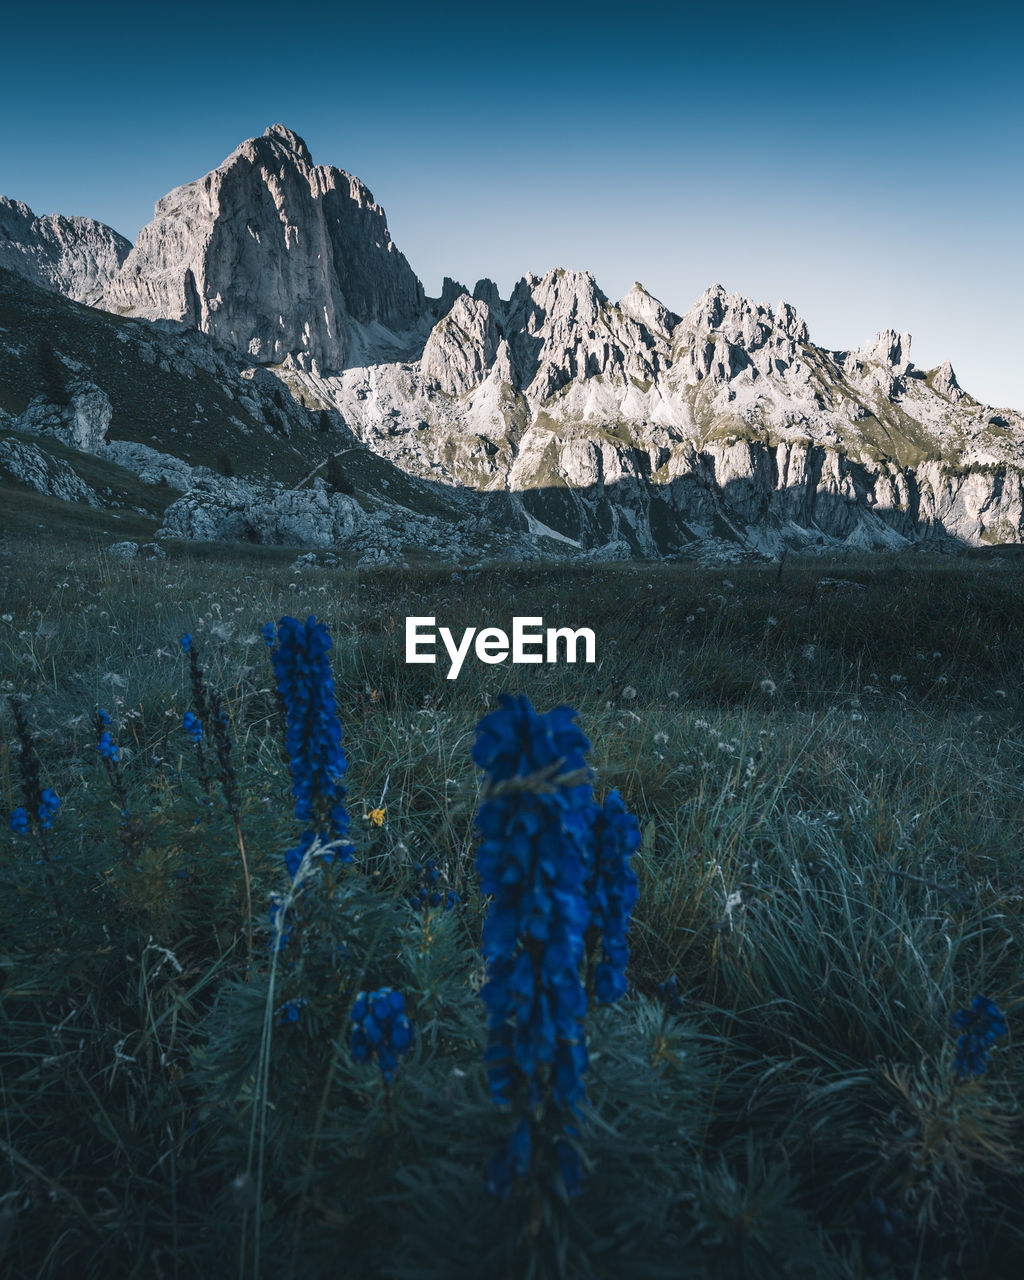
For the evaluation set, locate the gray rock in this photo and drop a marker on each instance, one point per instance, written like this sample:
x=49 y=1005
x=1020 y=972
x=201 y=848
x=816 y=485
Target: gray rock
x=487 y=291
x=73 y=256
x=639 y=304
x=561 y=329
x=28 y=463
x=150 y=465
x=462 y=346
x=622 y=426
x=82 y=423
x=945 y=383
x=123 y=550
x=450 y=290
x=271 y=255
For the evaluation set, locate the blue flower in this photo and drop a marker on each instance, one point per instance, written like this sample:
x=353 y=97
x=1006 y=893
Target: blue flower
x=668 y=993
x=103 y=717
x=186 y=642
x=312 y=731
x=267 y=632
x=981 y=1025
x=611 y=892
x=107 y=747
x=511 y=1161
x=380 y=1027
x=49 y=803
x=193 y=725
x=427 y=893
x=535 y=820
x=19 y=821
x=289 y=1011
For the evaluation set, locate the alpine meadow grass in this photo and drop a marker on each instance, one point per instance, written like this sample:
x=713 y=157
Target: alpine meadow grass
x=702 y=960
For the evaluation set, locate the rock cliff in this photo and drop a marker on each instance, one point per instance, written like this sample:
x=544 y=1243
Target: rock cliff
x=271 y=255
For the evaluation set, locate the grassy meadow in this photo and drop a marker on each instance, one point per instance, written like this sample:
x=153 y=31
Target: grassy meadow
x=826 y=763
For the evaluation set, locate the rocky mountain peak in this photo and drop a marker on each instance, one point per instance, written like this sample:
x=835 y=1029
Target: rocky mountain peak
x=890 y=348
x=487 y=291
x=462 y=346
x=644 y=307
x=282 y=134
x=272 y=256
x=450 y=290
x=741 y=319
x=559 y=297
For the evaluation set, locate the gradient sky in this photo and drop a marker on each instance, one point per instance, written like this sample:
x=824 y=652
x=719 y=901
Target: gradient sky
x=864 y=163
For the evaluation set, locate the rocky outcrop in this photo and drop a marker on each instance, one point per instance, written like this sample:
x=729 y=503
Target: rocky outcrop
x=73 y=256
x=462 y=346
x=945 y=383
x=216 y=509
x=487 y=291
x=82 y=423
x=233 y=510
x=450 y=290
x=561 y=328
x=271 y=255
x=30 y=465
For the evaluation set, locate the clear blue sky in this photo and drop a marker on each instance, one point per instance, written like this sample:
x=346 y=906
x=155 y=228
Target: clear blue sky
x=865 y=163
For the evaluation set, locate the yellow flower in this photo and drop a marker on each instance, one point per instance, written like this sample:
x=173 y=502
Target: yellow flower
x=377 y=816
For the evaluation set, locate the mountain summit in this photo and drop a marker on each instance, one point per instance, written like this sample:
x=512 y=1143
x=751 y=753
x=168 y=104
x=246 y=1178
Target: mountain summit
x=270 y=254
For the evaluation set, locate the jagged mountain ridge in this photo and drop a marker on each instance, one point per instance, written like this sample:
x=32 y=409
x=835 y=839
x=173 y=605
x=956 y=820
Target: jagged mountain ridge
x=73 y=256
x=617 y=427
x=625 y=425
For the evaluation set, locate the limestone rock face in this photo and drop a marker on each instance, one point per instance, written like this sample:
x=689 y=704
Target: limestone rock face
x=82 y=423
x=462 y=346
x=73 y=256
x=561 y=329
x=450 y=290
x=723 y=432
x=271 y=255
x=487 y=291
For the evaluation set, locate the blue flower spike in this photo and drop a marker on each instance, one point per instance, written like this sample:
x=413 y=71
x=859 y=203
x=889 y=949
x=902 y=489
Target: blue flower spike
x=981 y=1025
x=49 y=803
x=381 y=1029
x=535 y=820
x=193 y=725
x=312 y=735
